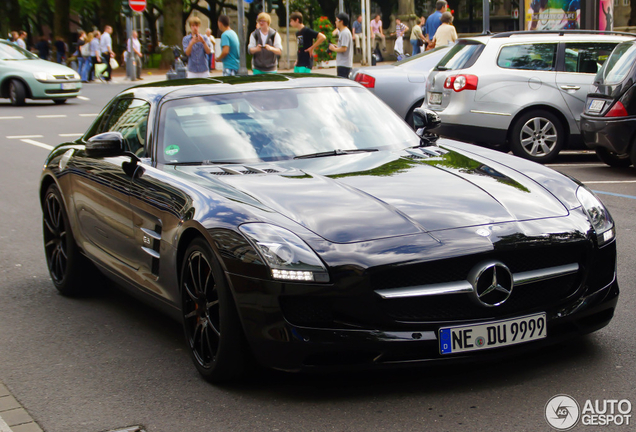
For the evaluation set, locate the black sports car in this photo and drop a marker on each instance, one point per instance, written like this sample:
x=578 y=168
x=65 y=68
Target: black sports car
x=296 y=220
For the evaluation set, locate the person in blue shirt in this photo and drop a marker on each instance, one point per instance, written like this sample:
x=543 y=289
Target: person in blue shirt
x=229 y=48
x=434 y=19
x=196 y=46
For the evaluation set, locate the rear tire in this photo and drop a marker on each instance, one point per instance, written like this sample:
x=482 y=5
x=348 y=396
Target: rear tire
x=17 y=93
x=613 y=159
x=538 y=136
x=211 y=323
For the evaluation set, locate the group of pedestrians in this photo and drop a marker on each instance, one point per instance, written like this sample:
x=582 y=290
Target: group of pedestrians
x=93 y=49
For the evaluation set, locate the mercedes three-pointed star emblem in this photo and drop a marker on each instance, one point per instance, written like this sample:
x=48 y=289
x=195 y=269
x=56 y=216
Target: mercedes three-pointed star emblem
x=492 y=283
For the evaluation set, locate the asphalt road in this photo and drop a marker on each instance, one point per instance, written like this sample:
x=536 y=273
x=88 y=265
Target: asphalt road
x=108 y=361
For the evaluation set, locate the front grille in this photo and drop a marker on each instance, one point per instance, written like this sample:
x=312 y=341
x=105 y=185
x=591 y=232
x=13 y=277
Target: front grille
x=603 y=268
x=64 y=77
x=60 y=91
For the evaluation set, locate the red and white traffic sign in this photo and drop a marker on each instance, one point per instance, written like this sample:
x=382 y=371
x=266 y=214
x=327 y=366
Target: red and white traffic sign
x=137 y=5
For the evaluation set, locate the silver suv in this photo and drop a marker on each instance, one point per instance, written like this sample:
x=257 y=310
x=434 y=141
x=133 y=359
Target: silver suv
x=519 y=91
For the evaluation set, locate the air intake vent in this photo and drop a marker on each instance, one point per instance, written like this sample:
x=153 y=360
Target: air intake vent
x=425 y=152
x=244 y=170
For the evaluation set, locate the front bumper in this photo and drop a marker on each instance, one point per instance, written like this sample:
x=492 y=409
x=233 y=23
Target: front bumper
x=55 y=90
x=616 y=135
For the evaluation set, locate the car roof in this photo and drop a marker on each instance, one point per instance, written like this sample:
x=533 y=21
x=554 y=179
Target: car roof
x=182 y=88
x=542 y=36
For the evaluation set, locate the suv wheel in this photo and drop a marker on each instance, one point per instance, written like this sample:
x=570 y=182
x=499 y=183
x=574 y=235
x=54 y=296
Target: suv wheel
x=537 y=136
x=613 y=159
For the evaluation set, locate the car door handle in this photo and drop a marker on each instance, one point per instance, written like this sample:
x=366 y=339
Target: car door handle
x=570 y=87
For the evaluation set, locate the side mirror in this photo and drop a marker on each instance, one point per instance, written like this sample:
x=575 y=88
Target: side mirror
x=424 y=120
x=106 y=144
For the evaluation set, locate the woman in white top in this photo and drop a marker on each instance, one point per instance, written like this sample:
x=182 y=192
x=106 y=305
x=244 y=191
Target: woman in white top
x=446 y=33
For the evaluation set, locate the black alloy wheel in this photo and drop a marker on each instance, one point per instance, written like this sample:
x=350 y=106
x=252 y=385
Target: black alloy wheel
x=17 y=92
x=70 y=271
x=538 y=136
x=613 y=159
x=212 y=328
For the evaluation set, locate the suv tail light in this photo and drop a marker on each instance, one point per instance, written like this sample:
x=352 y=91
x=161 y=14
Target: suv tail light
x=618 y=110
x=365 y=80
x=461 y=82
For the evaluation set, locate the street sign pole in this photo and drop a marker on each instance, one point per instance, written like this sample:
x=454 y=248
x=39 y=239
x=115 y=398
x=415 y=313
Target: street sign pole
x=486 y=16
x=241 y=35
x=130 y=68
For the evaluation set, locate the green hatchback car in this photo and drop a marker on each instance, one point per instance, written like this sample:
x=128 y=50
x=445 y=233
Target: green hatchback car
x=24 y=75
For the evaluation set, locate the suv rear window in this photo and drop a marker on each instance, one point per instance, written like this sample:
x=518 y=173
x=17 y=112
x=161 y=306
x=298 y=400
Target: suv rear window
x=536 y=56
x=462 y=55
x=618 y=65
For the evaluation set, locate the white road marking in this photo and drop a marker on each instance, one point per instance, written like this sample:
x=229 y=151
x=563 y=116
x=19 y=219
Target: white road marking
x=609 y=181
x=89 y=115
x=71 y=135
x=52 y=116
x=38 y=144
x=83 y=98
x=25 y=136
x=11 y=118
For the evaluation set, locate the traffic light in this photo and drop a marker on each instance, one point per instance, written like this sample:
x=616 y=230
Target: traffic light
x=125 y=8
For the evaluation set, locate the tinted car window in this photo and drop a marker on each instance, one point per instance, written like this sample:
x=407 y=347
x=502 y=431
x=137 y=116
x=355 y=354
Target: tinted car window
x=618 y=65
x=528 y=56
x=460 y=56
x=586 y=57
x=130 y=117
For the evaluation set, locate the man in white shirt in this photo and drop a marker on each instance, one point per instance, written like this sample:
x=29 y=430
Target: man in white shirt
x=106 y=49
x=344 y=49
x=22 y=39
x=134 y=53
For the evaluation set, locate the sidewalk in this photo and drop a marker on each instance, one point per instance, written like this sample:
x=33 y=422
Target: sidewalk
x=154 y=75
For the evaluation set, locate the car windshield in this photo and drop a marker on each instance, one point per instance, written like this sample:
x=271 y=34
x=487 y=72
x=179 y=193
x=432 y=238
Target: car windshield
x=272 y=125
x=618 y=65
x=9 y=51
x=460 y=55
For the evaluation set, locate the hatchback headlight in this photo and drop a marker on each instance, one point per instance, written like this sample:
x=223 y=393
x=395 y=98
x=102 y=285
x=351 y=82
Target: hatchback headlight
x=288 y=257
x=597 y=214
x=43 y=76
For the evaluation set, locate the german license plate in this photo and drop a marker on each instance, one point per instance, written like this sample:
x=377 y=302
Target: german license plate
x=69 y=86
x=492 y=335
x=596 y=105
x=435 y=98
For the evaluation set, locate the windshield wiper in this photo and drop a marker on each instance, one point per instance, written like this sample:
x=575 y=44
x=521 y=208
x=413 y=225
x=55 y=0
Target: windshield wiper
x=334 y=153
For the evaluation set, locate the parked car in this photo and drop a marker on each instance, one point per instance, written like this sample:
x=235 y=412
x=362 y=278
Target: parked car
x=609 y=119
x=402 y=85
x=288 y=219
x=23 y=75
x=519 y=91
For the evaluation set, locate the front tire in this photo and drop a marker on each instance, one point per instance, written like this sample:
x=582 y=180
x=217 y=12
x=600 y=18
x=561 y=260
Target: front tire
x=17 y=93
x=538 y=136
x=211 y=324
x=613 y=159
x=70 y=271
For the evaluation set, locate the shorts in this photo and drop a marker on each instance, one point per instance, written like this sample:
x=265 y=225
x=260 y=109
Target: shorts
x=260 y=72
x=205 y=74
x=302 y=69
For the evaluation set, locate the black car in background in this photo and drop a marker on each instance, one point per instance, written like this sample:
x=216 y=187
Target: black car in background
x=298 y=221
x=609 y=120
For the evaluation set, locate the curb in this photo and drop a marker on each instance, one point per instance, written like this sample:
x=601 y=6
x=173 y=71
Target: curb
x=13 y=416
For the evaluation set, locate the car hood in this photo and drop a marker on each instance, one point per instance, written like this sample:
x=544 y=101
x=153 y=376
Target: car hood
x=38 y=65
x=361 y=197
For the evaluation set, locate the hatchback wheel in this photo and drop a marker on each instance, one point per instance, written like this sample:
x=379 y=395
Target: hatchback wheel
x=613 y=159
x=17 y=92
x=537 y=136
x=212 y=327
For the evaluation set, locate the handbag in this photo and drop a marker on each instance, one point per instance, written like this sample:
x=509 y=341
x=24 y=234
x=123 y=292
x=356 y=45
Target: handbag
x=85 y=50
x=420 y=42
x=113 y=64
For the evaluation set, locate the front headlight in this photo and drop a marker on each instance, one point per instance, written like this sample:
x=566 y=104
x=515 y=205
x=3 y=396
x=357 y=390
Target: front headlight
x=76 y=75
x=597 y=214
x=43 y=76
x=285 y=253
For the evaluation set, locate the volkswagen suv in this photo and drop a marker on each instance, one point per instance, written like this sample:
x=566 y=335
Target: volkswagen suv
x=519 y=91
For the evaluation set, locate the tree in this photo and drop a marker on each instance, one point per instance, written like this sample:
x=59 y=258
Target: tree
x=154 y=11
x=61 y=19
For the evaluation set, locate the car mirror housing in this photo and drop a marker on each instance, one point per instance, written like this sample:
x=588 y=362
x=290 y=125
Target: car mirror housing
x=106 y=144
x=425 y=119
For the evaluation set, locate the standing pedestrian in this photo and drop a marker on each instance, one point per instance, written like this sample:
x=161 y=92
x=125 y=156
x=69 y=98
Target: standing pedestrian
x=14 y=37
x=106 y=49
x=212 y=45
x=446 y=33
x=434 y=19
x=81 y=41
x=60 y=49
x=85 y=51
x=400 y=30
x=229 y=47
x=96 y=56
x=377 y=32
x=22 y=39
x=344 y=49
x=305 y=40
x=265 y=46
x=196 y=46
x=417 y=38
x=357 y=32
x=43 y=48
x=134 y=53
